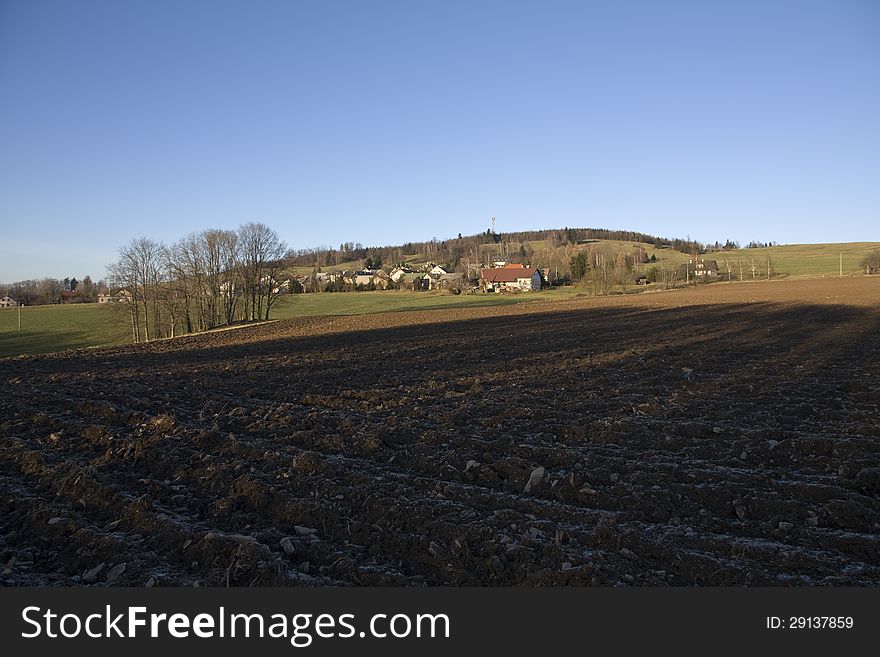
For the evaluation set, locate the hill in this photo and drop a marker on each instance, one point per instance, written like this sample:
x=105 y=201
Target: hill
x=553 y=249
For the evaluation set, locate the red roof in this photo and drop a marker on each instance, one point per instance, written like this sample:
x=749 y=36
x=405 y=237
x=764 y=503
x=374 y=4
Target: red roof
x=507 y=274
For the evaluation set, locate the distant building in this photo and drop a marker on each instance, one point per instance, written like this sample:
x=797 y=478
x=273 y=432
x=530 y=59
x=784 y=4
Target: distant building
x=412 y=281
x=376 y=277
x=283 y=286
x=399 y=272
x=445 y=281
x=8 y=302
x=120 y=296
x=510 y=279
x=704 y=268
x=382 y=279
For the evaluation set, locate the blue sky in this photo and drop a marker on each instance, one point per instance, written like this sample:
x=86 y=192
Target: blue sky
x=384 y=122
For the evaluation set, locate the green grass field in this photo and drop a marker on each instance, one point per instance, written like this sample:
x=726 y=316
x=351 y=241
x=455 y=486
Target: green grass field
x=805 y=259
x=46 y=329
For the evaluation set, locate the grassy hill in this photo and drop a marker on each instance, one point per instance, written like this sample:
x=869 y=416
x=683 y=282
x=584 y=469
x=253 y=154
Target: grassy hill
x=809 y=259
x=790 y=259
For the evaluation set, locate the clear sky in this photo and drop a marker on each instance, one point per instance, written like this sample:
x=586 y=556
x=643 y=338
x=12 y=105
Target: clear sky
x=384 y=122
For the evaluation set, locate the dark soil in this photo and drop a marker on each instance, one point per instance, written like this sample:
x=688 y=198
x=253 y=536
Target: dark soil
x=727 y=435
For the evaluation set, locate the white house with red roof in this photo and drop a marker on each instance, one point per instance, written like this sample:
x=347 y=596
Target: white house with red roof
x=510 y=278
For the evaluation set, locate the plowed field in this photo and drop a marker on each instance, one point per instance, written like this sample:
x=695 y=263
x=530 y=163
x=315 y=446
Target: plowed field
x=723 y=435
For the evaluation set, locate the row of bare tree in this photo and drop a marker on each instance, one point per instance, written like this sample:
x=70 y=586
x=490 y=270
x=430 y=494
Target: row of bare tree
x=52 y=290
x=202 y=281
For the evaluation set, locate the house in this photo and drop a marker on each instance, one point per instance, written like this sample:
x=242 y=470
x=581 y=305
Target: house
x=282 y=286
x=8 y=302
x=277 y=286
x=412 y=281
x=701 y=267
x=445 y=282
x=437 y=270
x=381 y=279
x=120 y=296
x=510 y=279
x=362 y=278
x=399 y=272
x=377 y=278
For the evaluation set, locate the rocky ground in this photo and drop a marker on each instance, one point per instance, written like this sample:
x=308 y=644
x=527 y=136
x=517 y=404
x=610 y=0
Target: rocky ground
x=724 y=435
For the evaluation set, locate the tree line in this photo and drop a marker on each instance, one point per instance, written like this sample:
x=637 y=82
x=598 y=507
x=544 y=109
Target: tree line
x=204 y=280
x=44 y=291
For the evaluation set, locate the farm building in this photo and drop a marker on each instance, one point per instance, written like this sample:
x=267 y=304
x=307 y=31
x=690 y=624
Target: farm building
x=510 y=279
x=445 y=281
x=120 y=296
x=377 y=278
x=701 y=267
x=399 y=272
x=8 y=302
x=412 y=281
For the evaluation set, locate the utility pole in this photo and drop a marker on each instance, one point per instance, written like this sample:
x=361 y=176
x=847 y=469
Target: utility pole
x=768 y=269
x=19 y=317
x=841 y=264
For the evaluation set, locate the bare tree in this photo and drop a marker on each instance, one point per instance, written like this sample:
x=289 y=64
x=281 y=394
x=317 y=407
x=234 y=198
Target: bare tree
x=753 y=266
x=262 y=253
x=121 y=276
x=729 y=268
x=138 y=270
x=205 y=269
x=623 y=270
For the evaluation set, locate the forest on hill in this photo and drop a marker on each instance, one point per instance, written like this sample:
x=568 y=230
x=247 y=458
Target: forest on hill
x=480 y=247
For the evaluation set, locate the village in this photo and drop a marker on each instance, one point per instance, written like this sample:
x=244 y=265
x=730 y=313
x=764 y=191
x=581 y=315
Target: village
x=500 y=276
